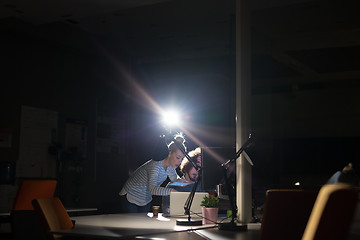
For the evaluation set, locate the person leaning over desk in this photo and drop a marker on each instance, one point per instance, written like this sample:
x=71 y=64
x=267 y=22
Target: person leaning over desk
x=190 y=174
x=136 y=194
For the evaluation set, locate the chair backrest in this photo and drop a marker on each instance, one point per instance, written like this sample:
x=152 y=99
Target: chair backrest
x=286 y=213
x=25 y=223
x=52 y=215
x=30 y=189
x=332 y=214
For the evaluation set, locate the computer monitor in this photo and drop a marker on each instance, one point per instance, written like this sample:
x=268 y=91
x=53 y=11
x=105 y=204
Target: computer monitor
x=212 y=171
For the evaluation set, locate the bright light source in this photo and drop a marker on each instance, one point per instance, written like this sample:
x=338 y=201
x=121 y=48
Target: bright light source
x=171 y=118
x=297 y=184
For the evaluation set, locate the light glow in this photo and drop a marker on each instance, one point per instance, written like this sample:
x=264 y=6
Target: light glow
x=171 y=118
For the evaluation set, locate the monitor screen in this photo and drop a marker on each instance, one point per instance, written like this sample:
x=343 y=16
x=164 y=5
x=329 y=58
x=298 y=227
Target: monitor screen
x=212 y=171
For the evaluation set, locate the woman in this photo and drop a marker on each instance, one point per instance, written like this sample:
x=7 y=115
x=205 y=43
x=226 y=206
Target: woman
x=146 y=180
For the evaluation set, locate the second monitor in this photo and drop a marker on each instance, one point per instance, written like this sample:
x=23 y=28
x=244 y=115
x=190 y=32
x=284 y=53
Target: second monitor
x=212 y=171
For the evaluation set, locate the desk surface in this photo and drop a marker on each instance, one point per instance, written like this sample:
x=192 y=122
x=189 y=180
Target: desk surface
x=69 y=210
x=119 y=226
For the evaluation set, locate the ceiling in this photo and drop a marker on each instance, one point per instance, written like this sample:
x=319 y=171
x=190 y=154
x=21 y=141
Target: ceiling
x=298 y=44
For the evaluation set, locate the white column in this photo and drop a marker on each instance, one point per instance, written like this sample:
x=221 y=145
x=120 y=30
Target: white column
x=243 y=95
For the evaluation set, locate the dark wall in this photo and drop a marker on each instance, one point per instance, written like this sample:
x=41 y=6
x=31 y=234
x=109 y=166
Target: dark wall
x=305 y=134
x=41 y=72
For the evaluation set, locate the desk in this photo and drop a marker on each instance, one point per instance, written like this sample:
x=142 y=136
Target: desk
x=124 y=226
x=4 y=217
x=69 y=210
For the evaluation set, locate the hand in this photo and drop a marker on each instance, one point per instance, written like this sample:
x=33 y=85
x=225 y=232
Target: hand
x=182 y=180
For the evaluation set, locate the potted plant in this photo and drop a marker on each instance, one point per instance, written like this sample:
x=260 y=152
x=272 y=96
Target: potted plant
x=210 y=209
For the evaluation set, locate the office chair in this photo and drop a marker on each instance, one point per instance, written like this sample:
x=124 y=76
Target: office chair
x=332 y=213
x=24 y=221
x=30 y=189
x=53 y=216
x=286 y=213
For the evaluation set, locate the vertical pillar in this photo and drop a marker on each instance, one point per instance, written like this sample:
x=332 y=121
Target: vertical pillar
x=243 y=118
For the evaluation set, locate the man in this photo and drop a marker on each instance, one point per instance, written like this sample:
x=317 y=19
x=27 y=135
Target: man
x=190 y=173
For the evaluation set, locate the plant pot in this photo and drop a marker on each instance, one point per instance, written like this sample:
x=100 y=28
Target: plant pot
x=210 y=215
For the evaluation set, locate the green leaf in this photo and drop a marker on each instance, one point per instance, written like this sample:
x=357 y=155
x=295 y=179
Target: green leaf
x=210 y=201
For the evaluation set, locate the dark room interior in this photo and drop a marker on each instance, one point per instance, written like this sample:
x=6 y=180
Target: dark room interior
x=82 y=81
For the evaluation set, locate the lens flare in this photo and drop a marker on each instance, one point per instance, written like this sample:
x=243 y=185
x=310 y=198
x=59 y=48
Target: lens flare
x=171 y=118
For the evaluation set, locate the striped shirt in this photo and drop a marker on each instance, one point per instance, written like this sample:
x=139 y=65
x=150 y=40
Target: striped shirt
x=146 y=181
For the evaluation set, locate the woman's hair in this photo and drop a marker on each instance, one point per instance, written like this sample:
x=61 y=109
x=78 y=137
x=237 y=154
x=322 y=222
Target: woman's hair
x=173 y=147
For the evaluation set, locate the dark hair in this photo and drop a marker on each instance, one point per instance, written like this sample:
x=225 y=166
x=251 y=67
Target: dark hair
x=173 y=147
x=185 y=166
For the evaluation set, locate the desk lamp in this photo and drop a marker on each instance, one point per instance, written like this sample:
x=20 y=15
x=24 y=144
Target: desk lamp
x=232 y=226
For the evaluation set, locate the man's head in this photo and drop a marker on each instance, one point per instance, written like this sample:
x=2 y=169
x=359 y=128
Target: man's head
x=190 y=173
x=196 y=155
